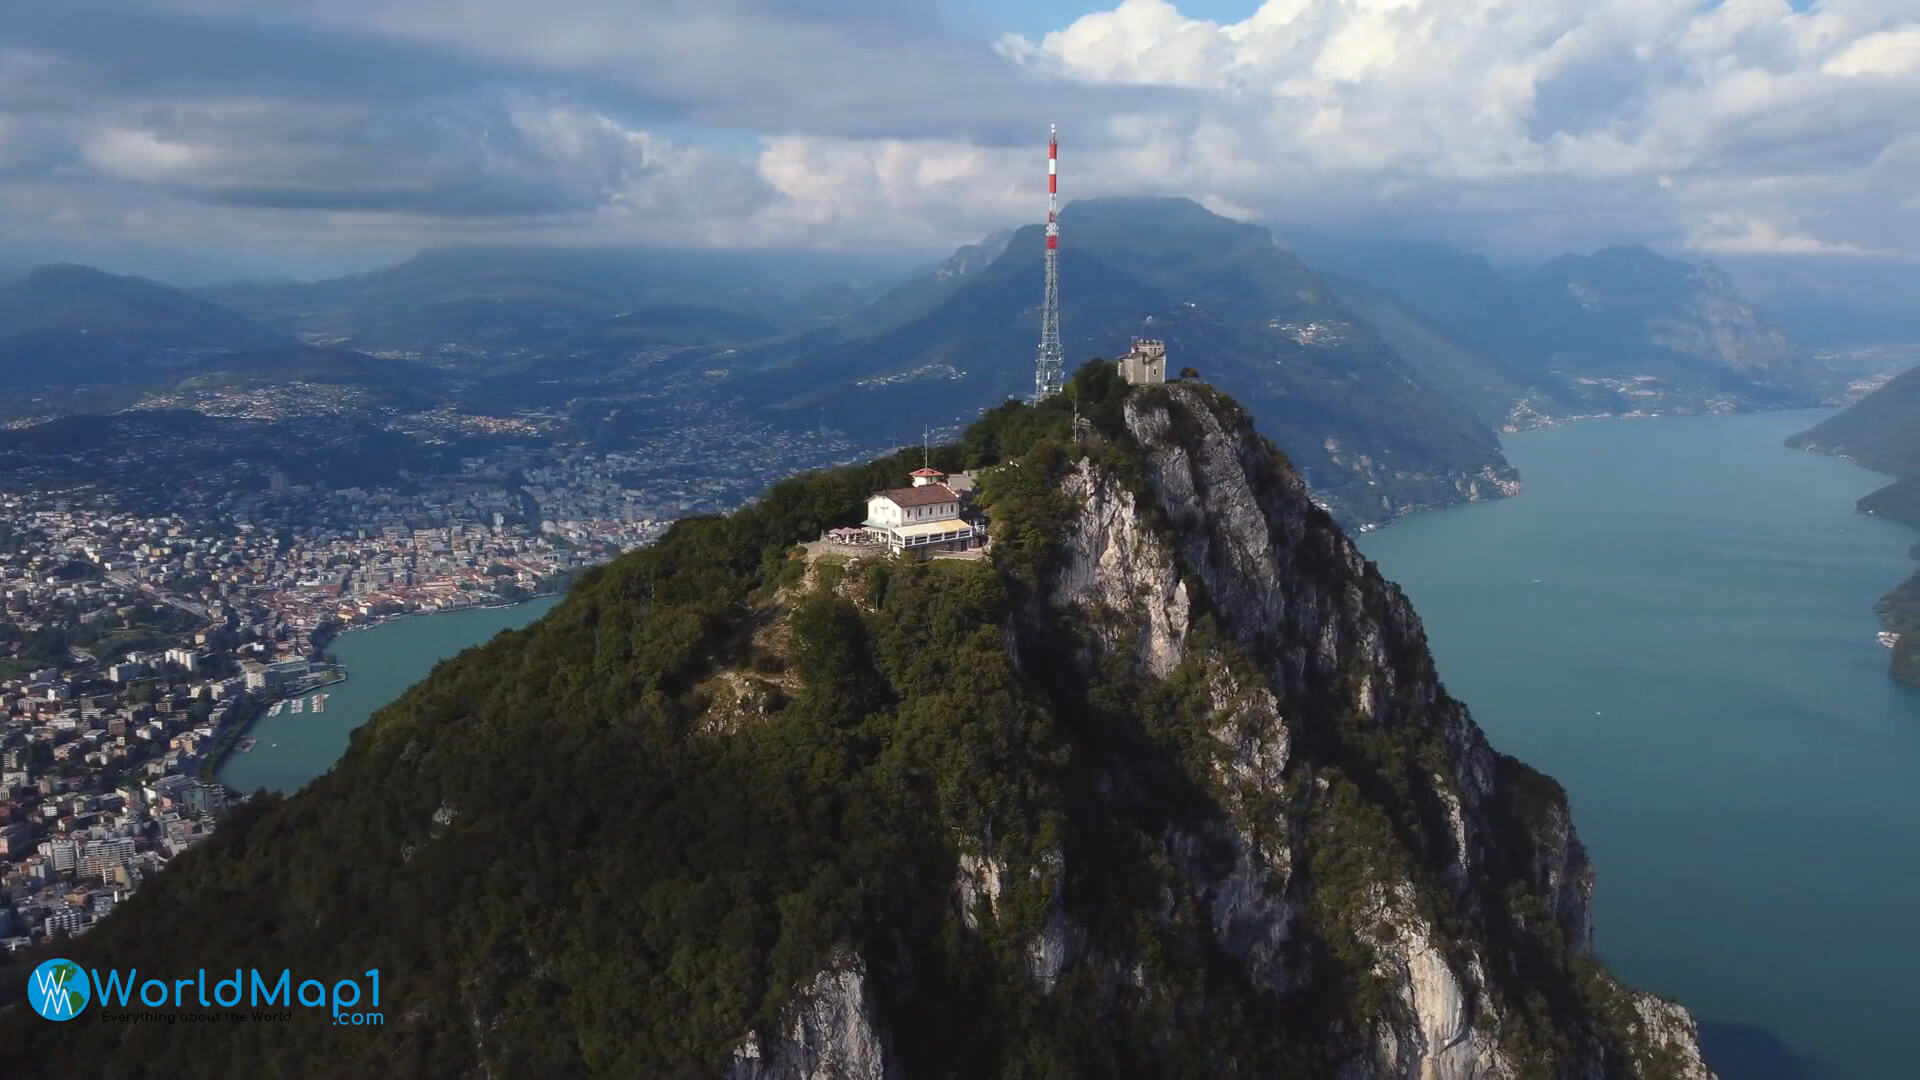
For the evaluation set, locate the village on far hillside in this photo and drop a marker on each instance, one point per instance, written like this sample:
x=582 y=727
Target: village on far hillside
x=937 y=516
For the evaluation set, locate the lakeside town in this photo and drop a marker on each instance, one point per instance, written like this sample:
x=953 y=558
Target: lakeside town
x=138 y=650
x=135 y=650
x=172 y=577
x=137 y=645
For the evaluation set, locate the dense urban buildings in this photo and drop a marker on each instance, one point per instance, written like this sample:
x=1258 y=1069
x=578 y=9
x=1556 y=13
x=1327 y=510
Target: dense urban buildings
x=136 y=646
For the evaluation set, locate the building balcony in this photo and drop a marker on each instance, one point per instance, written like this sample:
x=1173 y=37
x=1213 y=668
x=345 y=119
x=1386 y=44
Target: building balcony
x=922 y=534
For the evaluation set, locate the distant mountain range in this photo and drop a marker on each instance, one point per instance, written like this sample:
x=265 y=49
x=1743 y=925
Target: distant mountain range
x=1622 y=330
x=508 y=298
x=76 y=339
x=73 y=329
x=73 y=326
x=1385 y=370
x=1835 y=302
x=80 y=299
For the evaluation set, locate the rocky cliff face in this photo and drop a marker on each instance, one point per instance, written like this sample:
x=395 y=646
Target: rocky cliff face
x=1717 y=324
x=830 y=1036
x=1357 y=835
x=1634 y=298
x=973 y=258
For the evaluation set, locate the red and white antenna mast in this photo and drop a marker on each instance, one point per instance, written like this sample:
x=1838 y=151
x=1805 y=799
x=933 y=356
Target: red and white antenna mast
x=1049 y=374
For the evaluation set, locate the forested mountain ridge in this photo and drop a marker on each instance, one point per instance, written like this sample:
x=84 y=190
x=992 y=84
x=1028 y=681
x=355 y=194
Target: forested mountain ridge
x=1882 y=432
x=1166 y=787
x=1463 y=373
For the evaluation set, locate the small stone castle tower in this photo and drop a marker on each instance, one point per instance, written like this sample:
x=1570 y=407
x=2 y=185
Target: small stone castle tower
x=1145 y=363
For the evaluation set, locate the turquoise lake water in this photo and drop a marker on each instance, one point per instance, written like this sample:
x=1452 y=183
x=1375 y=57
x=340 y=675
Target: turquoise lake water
x=381 y=662
x=1675 y=619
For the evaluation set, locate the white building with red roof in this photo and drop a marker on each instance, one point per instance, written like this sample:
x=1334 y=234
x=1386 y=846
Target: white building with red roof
x=922 y=518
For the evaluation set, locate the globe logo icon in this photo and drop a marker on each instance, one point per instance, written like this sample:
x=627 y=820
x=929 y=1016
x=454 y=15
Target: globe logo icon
x=58 y=989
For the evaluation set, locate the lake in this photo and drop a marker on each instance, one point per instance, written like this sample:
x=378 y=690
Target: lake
x=382 y=661
x=1675 y=619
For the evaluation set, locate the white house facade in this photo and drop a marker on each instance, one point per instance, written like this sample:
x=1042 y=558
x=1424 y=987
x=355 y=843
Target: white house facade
x=925 y=516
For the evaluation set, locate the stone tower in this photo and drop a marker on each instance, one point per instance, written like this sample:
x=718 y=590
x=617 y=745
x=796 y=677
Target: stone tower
x=1145 y=363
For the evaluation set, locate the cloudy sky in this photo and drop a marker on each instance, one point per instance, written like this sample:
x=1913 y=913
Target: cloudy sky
x=312 y=136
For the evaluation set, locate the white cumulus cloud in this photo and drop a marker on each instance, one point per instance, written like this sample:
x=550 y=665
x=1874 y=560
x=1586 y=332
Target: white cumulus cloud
x=1424 y=100
x=1743 y=126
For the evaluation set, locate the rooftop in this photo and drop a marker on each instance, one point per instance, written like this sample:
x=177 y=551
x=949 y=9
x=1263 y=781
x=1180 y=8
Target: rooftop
x=929 y=495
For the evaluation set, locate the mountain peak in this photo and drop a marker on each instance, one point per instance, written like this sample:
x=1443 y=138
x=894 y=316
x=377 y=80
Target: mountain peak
x=59 y=279
x=1620 y=260
x=1165 y=212
x=66 y=272
x=971 y=258
x=1630 y=253
x=1162 y=784
x=73 y=297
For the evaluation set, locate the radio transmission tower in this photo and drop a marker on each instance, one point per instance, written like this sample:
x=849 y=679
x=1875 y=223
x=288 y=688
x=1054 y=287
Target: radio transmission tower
x=1049 y=371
